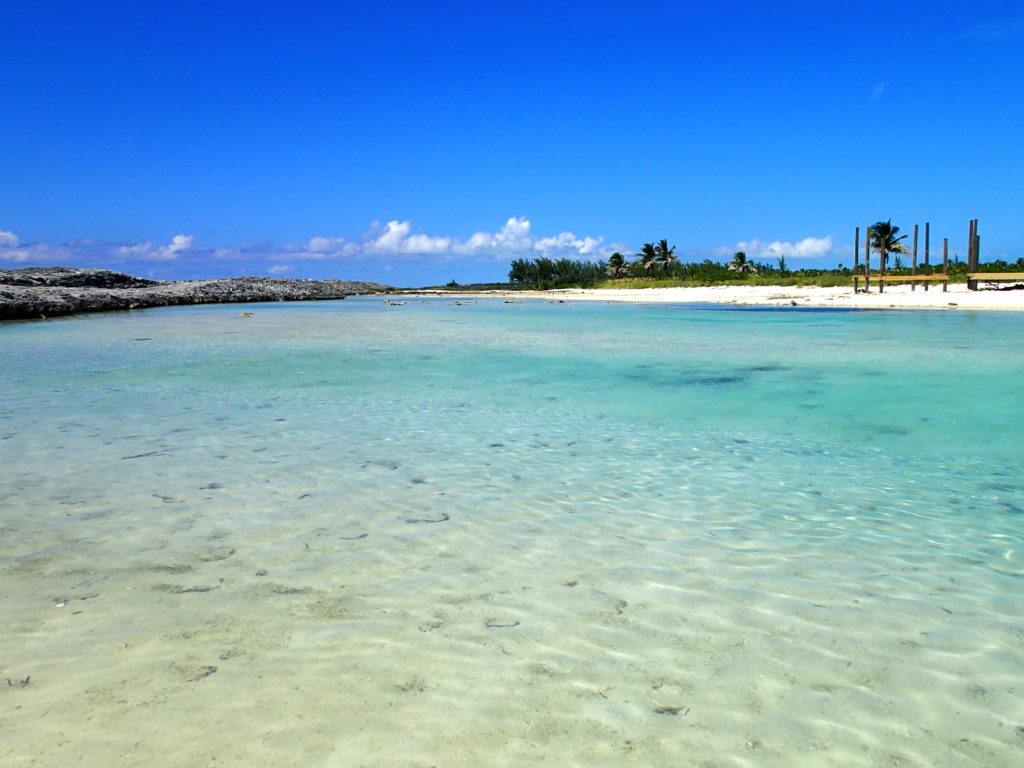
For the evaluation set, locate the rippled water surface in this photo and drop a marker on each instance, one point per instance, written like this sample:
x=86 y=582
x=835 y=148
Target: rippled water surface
x=355 y=534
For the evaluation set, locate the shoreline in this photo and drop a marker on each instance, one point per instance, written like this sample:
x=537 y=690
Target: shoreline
x=843 y=297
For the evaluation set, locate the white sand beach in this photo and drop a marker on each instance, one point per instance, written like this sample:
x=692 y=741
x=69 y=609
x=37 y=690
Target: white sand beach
x=894 y=297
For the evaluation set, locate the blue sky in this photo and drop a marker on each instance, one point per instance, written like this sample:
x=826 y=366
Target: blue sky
x=416 y=143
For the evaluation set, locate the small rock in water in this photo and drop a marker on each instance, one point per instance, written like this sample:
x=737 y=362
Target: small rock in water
x=195 y=675
x=669 y=710
x=444 y=516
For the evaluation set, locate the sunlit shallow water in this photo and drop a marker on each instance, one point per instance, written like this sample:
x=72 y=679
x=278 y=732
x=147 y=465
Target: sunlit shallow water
x=354 y=534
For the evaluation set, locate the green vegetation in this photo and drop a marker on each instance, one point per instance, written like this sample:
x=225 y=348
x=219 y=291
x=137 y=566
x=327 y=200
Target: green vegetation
x=617 y=266
x=664 y=256
x=541 y=274
x=740 y=264
x=823 y=278
x=657 y=266
x=996 y=266
x=884 y=241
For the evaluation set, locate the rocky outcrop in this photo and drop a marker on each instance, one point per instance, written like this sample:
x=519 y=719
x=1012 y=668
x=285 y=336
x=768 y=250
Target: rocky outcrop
x=46 y=291
x=69 y=277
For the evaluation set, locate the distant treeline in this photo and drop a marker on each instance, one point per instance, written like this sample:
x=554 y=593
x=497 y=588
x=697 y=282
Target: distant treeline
x=549 y=273
x=659 y=263
x=542 y=273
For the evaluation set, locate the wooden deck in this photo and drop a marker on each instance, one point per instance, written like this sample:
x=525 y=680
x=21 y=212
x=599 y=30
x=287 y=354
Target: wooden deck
x=973 y=278
x=912 y=279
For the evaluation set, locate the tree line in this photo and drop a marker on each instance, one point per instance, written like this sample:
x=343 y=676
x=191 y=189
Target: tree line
x=545 y=273
x=659 y=261
x=655 y=260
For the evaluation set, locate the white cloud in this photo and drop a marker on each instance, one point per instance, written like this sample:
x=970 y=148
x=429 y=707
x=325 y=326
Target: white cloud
x=315 y=248
x=878 y=90
x=391 y=238
x=568 y=241
x=150 y=252
x=180 y=243
x=396 y=239
x=325 y=244
x=514 y=237
x=279 y=269
x=392 y=241
x=808 y=248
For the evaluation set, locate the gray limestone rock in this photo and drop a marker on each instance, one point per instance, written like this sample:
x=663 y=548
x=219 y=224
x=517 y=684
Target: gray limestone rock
x=36 y=292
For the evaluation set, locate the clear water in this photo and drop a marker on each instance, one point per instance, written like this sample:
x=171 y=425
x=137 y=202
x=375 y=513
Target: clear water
x=351 y=534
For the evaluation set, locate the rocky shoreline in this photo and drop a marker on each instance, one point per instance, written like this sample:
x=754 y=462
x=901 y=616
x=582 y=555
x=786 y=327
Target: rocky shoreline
x=37 y=292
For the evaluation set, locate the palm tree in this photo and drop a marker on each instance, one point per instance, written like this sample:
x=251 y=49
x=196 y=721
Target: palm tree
x=740 y=264
x=664 y=255
x=884 y=240
x=617 y=265
x=647 y=256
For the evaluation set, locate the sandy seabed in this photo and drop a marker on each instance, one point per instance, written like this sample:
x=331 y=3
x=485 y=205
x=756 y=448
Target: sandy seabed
x=203 y=572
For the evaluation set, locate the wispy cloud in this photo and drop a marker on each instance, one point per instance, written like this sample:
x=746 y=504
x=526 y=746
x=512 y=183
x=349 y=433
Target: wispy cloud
x=13 y=251
x=808 y=248
x=392 y=241
x=877 y=91
x=179 y=245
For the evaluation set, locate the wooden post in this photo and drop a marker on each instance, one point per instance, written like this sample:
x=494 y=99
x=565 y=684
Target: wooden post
x=856 y=254
x=867 y=260
x=972 y=255
x=913 y=261
x=945 y=261
x=882 y=258
x=926 y=264
x=970 y=247
x=970 y=252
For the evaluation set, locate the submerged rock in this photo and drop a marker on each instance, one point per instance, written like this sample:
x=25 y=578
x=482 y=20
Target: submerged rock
x=44 y=291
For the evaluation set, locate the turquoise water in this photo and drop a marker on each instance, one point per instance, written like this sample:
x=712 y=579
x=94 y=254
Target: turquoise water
x=348 y=533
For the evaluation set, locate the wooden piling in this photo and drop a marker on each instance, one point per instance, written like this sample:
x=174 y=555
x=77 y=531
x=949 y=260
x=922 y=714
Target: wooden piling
x=945 y=261
x=974 y=256
x=867 y=260
x=970 y=252
x=926 y=262
x=913 y=260
x=856 y=254
x=882 y=258
x=970 y=244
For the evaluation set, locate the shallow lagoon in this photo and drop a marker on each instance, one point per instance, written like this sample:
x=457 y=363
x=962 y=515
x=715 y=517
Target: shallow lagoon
x=354 y=534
